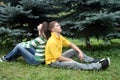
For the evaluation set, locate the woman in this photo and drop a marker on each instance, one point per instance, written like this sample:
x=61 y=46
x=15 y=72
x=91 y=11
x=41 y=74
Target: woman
x=55 y=58
x=25 y=49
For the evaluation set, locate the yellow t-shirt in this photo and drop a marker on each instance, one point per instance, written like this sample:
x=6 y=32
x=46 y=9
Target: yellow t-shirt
x=54 y=47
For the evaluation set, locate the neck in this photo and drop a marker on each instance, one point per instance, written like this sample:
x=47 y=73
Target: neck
x=58 y=34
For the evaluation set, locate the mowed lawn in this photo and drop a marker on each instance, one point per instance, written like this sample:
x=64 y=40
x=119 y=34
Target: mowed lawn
x=20 y=70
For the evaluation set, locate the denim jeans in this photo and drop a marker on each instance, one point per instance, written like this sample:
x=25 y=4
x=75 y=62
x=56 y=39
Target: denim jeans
x=74 y=64
x=26 y=53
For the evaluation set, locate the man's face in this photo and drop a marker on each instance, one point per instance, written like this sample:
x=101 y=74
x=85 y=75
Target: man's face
x=57 y=28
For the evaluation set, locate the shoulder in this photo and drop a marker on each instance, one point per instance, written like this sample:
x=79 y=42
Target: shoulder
x=40 y=38
x=51 y=40
x=63 y=38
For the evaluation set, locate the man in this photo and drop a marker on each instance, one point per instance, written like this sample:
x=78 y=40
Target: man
x=55 y=58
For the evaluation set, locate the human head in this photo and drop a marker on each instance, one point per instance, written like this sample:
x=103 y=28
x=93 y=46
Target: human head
x=54 y=26
x=44 y=30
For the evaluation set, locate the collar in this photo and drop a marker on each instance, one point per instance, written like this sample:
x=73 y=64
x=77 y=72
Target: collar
x=55 y=35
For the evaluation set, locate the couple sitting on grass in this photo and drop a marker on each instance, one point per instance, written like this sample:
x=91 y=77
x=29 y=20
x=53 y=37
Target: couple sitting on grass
x=47 y=49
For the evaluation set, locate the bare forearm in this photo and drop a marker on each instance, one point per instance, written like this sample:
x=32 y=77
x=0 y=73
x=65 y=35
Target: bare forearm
x=76 y=48
x=62 y=58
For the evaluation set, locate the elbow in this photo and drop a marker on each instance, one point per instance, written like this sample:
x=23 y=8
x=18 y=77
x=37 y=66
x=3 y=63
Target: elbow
x=72 y=44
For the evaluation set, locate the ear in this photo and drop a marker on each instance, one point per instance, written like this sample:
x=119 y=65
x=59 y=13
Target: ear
x=52 y=30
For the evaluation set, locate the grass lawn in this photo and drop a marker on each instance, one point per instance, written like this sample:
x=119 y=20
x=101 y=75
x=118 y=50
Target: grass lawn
x=20 y=70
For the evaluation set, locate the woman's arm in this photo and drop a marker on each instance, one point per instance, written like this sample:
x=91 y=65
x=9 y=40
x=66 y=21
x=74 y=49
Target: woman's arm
x=39 y=28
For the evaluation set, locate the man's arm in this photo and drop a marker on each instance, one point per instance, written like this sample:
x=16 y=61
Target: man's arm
x=72 y=45
x=62 y=58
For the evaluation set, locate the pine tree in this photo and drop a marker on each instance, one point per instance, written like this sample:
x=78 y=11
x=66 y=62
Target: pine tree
x=80 y=18
x=92 y=18
x=27 y=14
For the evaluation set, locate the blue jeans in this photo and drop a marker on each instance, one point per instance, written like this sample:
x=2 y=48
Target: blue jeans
x=27 y=53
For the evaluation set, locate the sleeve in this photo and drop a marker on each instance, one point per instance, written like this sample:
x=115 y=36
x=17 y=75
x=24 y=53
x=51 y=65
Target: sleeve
x=35 y=42
x=65 y=42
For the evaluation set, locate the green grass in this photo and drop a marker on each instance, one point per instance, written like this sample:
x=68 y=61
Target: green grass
x=20 y=70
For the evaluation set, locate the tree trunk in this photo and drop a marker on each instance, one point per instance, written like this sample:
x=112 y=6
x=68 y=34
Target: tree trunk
x=88 y=45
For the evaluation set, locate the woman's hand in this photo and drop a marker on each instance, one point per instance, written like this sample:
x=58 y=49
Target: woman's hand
x=39 y=28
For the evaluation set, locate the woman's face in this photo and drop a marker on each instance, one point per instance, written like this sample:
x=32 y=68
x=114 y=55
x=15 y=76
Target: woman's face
x=57 y=28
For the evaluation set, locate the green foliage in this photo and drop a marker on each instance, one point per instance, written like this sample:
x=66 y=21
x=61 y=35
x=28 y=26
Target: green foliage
x=12 y=15
x=9 y=37
x=13 y=2
x=79 y=18
x=27 y=12
x=99 y=25
x=92 y=18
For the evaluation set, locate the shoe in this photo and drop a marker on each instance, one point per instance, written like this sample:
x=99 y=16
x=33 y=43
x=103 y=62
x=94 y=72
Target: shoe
x=2 y=59
x=104 y=63
x=97 y=60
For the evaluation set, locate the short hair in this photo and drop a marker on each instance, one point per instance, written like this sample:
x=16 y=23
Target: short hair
x=51 y=25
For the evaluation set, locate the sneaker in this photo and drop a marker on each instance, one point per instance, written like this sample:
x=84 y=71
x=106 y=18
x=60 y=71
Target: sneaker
x=97 y=60
x=105 y=63
x=2 y=59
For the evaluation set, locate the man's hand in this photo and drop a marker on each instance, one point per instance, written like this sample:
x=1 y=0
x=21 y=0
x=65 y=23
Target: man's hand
x=81 y=56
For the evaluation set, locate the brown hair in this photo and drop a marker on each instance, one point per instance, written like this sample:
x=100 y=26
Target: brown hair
x=51 y=25
x=45 y=30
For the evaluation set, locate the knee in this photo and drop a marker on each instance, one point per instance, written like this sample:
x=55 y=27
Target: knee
x=19 y=45
x=73 y=65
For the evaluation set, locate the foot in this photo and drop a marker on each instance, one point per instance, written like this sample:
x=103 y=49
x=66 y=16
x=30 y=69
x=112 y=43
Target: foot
x=104 y=63
x=2 y=59
x=97 y=60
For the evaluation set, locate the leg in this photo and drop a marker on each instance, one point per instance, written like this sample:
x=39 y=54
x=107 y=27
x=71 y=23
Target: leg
x=72 y=53
x=20 y=50
x=13 y=54
x=31 y=50
x=76 y=65
x=28 y=56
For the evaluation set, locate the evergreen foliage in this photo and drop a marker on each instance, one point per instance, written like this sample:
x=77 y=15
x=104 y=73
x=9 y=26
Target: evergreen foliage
x=79 y=18
x=12 y=15
x=13 y=2
x=8 y=36
x=93 y=18
x=27 y=14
